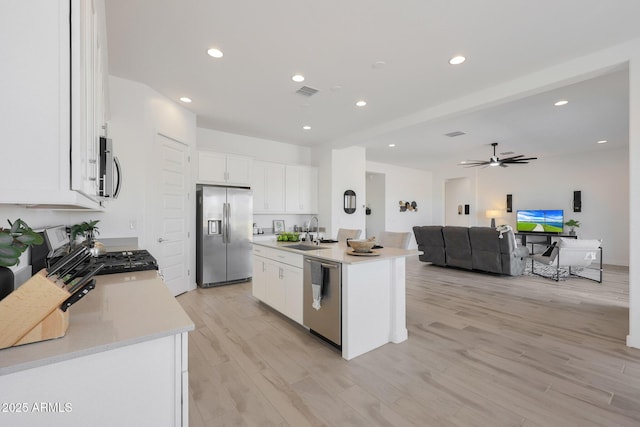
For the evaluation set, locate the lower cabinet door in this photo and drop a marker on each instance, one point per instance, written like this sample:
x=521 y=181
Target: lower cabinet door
x=258 y=281
x=292 y=284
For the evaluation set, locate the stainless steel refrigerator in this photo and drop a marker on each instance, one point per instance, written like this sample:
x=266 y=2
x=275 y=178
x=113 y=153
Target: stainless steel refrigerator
x=224 y=217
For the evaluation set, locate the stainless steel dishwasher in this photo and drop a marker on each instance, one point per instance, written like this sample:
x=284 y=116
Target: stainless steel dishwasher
x=326 y=321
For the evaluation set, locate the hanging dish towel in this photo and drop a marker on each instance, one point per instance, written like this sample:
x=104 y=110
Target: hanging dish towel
x=317 y=278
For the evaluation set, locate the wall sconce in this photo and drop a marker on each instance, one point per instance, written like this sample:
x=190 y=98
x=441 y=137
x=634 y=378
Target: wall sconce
x=349 y=201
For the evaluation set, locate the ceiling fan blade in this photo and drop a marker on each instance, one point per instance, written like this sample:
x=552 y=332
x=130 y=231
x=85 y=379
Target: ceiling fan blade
x=512 y=158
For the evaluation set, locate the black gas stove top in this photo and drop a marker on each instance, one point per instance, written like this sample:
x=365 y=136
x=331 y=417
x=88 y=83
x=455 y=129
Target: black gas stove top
x=125 y=261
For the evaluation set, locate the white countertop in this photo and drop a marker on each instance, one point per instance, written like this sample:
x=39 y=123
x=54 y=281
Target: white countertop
x=339 y=252
x=123 y=309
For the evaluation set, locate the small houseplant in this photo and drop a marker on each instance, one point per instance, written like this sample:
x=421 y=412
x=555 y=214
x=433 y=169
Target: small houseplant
x=13 y=242
x=573 y=224
x=85 y=229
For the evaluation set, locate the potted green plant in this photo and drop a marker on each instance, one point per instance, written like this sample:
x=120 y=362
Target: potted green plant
x=85 y=229
x=13 y=242
x=573 y=224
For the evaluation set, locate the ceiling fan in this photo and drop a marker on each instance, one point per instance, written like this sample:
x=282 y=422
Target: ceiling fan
x=496 y=161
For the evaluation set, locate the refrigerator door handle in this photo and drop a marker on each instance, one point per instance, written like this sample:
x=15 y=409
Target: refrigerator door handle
x=228 y=222
x=224 y=223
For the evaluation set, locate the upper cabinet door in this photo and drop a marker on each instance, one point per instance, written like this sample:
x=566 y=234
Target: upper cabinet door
x=268 y=187
x=301 y=189
x=212 y=167
x=238 y=170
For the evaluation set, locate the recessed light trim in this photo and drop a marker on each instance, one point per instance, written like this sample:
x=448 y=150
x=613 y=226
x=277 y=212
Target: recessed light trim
x=298 y=78
x=392 y=145
x=185 y=99
x=361 y=103
x=602 y=141
x=215 y=53
x=457 y=60
x=306 y=127
x=561 y=103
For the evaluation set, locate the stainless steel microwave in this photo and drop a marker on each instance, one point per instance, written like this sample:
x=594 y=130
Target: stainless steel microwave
x=109 y=171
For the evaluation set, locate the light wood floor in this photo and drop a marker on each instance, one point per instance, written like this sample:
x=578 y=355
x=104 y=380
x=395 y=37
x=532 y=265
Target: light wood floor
x=483 y=350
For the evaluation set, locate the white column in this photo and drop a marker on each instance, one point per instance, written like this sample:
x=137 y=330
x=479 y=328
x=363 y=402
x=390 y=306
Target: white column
x=633 y=339
x=398 y=301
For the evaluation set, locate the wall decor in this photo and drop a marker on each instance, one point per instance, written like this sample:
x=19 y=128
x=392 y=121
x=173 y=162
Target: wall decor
x=278 y=226
x=349 y=201
x=408 y=206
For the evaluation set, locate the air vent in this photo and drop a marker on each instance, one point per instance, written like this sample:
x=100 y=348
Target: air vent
x=506 y=153
x=307 y=91
x=455 y=133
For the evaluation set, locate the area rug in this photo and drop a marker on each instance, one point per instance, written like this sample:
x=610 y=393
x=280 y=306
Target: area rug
x=549 y=271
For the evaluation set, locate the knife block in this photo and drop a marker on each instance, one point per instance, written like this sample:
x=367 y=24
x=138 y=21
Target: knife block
x=32 y=312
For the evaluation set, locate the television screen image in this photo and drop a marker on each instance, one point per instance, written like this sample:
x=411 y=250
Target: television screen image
x=540 y=221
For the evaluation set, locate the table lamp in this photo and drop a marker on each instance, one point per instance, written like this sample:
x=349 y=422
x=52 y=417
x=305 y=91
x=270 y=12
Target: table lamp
x=493 y=214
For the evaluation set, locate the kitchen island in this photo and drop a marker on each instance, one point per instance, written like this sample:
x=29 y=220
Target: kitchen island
x=373 y=290
x=123 y=361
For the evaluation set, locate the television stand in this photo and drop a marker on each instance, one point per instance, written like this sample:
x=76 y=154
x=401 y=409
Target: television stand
x=547 y=236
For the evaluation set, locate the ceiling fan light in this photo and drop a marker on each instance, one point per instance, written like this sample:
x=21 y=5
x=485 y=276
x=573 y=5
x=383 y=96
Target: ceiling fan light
x=494 y=163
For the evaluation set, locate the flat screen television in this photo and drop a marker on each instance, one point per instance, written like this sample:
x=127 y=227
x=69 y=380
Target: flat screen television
x=540 y=221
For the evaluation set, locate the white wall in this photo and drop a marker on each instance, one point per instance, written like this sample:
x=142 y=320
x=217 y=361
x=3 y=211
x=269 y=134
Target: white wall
x=377 y=204
x=457 y=194
x=260 y=149
x=408 y=185
x=348 y=170
x=138 y=113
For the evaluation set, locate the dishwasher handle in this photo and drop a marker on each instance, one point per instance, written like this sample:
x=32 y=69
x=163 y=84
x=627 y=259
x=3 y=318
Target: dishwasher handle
x=324 y=265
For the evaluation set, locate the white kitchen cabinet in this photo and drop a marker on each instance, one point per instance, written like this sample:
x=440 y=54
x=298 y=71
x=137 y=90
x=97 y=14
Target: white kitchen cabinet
x=268 y=187
x=88 y=92
x=292 y=281
x=278 y=281
x=220 y=168
x=301 y=189
x=40 y=82
x=258 y=280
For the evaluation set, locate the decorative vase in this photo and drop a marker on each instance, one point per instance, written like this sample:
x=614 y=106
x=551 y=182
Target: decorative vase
x=572 y=232
x=6 y=281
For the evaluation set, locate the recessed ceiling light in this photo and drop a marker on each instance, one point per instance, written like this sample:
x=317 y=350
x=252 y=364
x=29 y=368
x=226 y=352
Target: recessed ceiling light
x=185 y=99
x=216 y=53
x=561 y=103
x=602 y=141
x=378 y=65
x=361 y=103
x=298 y=78
x=392 y=145
x=457 y=60
x=306 y=127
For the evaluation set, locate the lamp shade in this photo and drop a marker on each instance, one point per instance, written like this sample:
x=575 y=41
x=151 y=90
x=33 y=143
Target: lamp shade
x=492 y=213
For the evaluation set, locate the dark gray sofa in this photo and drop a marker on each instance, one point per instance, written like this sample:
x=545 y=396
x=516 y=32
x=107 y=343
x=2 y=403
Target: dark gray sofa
x=471 y=248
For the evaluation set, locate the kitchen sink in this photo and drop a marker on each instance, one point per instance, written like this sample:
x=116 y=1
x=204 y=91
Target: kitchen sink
x=305 y=247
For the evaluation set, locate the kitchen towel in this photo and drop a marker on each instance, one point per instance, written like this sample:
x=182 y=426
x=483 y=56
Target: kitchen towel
x=317 y=279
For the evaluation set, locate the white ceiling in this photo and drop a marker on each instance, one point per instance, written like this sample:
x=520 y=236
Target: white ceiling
x=334 y=43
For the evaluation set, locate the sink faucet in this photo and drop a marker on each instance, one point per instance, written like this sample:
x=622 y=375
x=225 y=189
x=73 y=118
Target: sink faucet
x=309 y=228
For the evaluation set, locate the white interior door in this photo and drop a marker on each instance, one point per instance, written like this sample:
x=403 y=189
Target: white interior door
x=172 y=216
